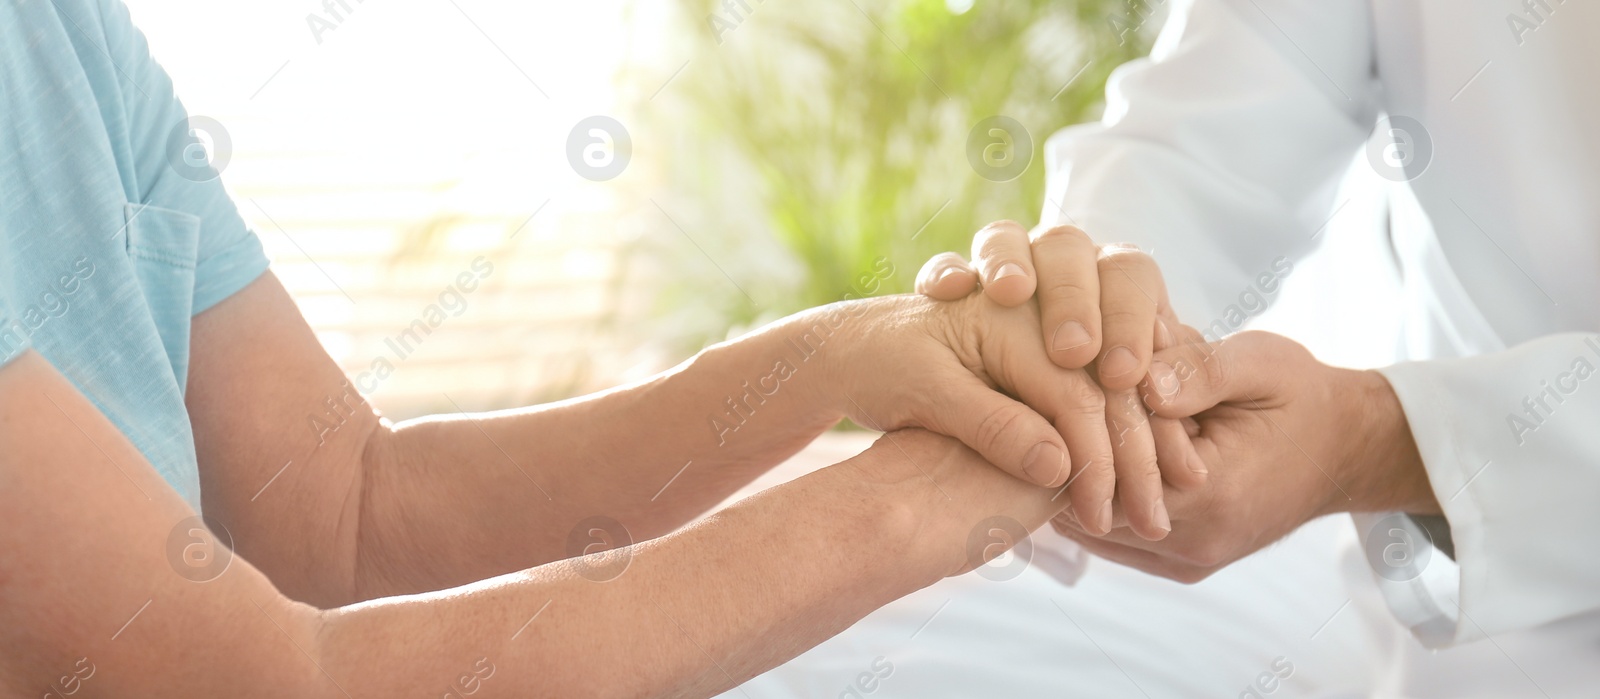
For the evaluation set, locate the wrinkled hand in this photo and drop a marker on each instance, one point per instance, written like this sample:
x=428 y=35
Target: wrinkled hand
x=907 y=460
x=1104 y=308
x=975 y=370
x=1290 y=439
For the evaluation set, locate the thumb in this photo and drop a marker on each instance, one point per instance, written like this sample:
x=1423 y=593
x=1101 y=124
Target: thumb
x=1005 y=432
x=1194 y=377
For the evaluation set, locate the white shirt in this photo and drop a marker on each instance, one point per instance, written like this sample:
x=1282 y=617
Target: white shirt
x=1222 y=152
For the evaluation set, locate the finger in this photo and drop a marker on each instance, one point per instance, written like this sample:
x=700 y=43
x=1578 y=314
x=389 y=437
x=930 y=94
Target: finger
x=1134 y=456
x=1197 y=548
x=1005 y=262
x=1065 y=521
x=946 y=277
x=1131 y=292
x=1181 y=505
x=1188 y=379
x=1073 y=403
x=1181 y=334
x=1191 y=426
x=1093 y=484
x=1076 y=407
x=1066 y=262
x=1138 y=559
x=1181 y=466
x=1007 y=433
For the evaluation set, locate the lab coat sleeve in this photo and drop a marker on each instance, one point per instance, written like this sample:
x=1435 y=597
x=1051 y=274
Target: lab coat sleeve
x=1221 y=156
x=1222 y=152
x=1511 y=442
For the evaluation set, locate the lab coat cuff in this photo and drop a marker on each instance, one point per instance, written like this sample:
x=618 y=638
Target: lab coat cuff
x=1420 y=590
x=1430 y=603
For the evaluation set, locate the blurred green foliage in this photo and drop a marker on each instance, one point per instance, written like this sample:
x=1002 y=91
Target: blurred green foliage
x=847 y=122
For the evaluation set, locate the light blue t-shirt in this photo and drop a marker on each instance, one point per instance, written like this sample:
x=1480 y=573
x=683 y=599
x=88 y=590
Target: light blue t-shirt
x=111 y=235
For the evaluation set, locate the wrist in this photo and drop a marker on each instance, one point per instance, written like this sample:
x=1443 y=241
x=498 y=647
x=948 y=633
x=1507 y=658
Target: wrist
x=795 y=357
x=895 y=507
x=1384 y=467
x=850 y=348
x=934 y=495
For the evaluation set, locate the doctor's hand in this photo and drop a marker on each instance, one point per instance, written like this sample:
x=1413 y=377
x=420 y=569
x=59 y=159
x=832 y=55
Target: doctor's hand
x=1290 y=439
x=1103 y=308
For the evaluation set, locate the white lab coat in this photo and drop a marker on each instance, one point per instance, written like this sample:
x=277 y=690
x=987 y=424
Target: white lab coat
x=1223 y=151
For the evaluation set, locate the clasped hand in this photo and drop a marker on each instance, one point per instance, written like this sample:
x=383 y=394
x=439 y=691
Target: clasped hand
x=1103 y=312
x=1239 y=441
x=1062 y=414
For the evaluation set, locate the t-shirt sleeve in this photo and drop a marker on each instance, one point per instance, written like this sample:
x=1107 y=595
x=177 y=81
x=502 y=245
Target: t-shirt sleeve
x=176 y=159
x=13 y=336
x=13 y=339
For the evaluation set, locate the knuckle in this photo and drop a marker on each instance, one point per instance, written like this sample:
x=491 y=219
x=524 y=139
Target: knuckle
x=1127 y=260
x=1000 y=424
x=1102 y=470
x=1121 y=251
x=1257 y=336
x=1132 y=319
x=1086 y=399
x=1149 y=469
x=1099 y=474
x=1064 y=233
x=1125 y=404
x=999 y=233
x=1061 y=287
x=1276 y=343
x=1214 y=368
x=1202 y=365
x=1003 y=224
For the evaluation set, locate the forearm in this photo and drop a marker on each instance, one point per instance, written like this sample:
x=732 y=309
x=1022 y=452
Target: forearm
x=380 y=510
x=704 y=608
x=741 y=592
x=155 y=605
x=451 y=499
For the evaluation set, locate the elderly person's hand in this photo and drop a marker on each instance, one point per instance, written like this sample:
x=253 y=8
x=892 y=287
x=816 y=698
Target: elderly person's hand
x=1291 y=439
x=974 y=370
x=1101 y=308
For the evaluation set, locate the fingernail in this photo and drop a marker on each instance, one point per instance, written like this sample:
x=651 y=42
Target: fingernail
x=1070 y=334
x=1164 y=380
x=944 y=274
x=1196 y=464
x=1043 y=463
x=1163 y=334
x=1104 y=519
x=1118 y=361
x=1009 y=269
x=1163 y=522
